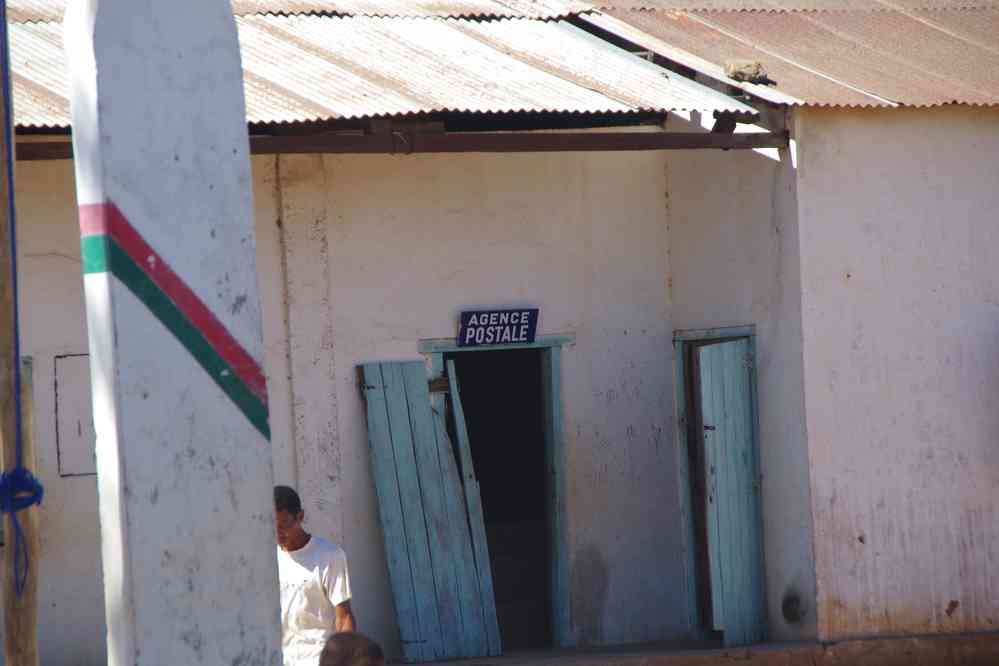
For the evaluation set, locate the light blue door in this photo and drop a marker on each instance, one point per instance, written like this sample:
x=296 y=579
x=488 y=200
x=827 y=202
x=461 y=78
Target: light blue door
x=734 y=525
x=431 y=519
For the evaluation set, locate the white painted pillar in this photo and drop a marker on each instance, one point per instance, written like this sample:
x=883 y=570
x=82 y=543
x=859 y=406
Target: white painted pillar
x=180 y=405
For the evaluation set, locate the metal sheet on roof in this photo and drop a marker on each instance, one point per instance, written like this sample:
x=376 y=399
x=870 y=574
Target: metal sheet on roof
x=882 y=58
x=23 y=11
x=791 y=5
x=650 y=39
x=416 y=8
x=38 y=72
x=310 y=68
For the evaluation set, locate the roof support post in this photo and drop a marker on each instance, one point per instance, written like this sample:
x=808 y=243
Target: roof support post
x=174 y=323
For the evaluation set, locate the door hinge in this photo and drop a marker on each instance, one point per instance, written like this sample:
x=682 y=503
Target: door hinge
x=440 y=385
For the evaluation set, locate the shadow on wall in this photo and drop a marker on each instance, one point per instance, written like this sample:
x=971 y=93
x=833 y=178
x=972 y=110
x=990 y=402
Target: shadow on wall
x=589 y=595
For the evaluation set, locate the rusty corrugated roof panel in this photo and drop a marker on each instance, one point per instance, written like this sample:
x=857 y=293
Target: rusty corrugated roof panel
x=24 y=11
x=651 y=38
x=869 y=58
x=38 y=72
x=363 y=67
x=307 y=68
x=791 y=5
x=416 y=8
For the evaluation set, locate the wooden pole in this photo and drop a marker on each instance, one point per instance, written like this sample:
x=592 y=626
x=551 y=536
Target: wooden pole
x=20 y=610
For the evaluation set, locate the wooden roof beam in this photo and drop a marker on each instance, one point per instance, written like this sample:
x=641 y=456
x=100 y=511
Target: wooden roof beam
x=403 y=143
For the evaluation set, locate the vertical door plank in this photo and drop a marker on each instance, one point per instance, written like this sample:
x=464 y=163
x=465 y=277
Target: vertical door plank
x=728 y=411
x=474 y=641
x=475 y=518
x=728 y=430
x=413 y=515
x=739 y=438
x=441 y=532
x=708 y=369
x=383 y=467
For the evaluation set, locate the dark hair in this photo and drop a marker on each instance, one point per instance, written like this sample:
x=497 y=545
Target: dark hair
x=351 y=649
x=287 y=500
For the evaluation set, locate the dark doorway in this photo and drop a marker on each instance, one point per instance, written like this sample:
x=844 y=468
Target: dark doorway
x=698 y=490
x=501 y=392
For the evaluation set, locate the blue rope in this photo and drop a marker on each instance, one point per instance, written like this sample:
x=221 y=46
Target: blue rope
x=19 y=489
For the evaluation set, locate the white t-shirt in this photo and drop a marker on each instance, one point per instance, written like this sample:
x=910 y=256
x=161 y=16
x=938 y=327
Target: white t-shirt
x=313 y=582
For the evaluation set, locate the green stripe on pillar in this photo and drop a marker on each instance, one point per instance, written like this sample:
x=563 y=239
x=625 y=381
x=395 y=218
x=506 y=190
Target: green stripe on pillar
x=102 y=253
x=94 y=251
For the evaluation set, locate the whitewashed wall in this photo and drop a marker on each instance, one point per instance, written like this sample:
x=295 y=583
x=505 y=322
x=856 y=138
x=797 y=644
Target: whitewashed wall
x=899 y=218
x=379 y=253
x=407 y=243
x=734 y=258
x=898 y=230
x=71 y=609
x=53 y=323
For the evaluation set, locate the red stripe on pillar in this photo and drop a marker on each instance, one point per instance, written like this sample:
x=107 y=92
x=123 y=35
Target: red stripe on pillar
x=97 y=219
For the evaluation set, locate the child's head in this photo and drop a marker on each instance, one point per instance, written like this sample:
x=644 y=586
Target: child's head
x=351 y=649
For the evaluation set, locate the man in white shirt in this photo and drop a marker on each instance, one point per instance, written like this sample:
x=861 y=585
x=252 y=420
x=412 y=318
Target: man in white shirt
x=315 y=586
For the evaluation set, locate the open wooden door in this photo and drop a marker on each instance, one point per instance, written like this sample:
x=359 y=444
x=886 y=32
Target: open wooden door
x=430 y=534
x=734 y=525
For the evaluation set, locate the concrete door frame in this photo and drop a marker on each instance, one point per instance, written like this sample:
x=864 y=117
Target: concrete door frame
x=551 y=373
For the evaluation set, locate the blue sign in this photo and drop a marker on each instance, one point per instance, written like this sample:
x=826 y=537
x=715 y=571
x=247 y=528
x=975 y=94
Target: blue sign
x=498 y=327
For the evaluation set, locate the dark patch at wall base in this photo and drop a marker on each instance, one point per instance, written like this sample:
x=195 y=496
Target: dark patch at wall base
x=839 y=621
x=792 y=608
x=589 y=595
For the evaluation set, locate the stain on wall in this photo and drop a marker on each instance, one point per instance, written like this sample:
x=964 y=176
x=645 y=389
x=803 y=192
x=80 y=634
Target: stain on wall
x=902 y=367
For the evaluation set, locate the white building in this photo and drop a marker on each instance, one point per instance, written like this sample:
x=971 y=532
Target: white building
x=857 y=265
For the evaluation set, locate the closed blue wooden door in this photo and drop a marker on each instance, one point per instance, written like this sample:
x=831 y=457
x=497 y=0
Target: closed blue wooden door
x=734 y=525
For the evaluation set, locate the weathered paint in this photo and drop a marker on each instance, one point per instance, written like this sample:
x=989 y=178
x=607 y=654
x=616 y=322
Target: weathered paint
x=581 y=236
x=734 y=256
x=585 y=238
x=900 y=318
x=184 y=465
x=71 y=614
x=394 y=446
x=110 y=244
x=734 y=535
x=70 y=601
x=309 y=343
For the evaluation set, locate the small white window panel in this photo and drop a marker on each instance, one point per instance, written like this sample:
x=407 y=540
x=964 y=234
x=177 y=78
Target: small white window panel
x=75 y=436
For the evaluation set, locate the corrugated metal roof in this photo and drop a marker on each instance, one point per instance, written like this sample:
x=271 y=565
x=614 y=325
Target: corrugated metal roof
x=305 y=68
x=879 y=58
x=792 y=5
x=24 y=11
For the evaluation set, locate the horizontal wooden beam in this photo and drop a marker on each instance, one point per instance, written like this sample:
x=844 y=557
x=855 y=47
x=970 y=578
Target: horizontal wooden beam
x=473 y=142
x=397 y=143
x=33 y=151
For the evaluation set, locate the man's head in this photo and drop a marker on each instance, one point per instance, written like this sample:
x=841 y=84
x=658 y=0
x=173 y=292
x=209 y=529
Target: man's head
x=288 y=516
x=351 y=649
